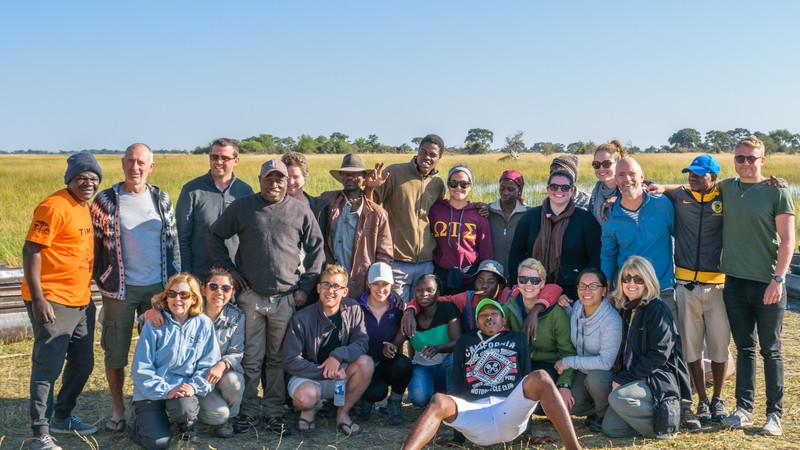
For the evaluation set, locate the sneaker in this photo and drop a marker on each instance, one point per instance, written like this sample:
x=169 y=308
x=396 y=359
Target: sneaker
x=689 y=421
x=44 y=442
x=72 y=424
x=703 y=411
x=395 y=412
x=739 y=419
x=277 y=425
x=718 y=410
x=188 y=433
x=243 y=424
x=772 y=427
x=225 y=430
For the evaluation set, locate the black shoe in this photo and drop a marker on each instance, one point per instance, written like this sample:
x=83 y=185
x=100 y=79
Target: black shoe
x=363 y=410
x=187 y=433
x=594 y=424
x=718 y=410
x=689 y=421
x=395 y=412
x=277 y=425
x=703 y=411
x=242 y=424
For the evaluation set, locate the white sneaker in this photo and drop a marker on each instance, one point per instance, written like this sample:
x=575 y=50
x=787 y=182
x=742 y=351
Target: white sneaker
x=772 y=427
x=739 y=419
x=45 y=442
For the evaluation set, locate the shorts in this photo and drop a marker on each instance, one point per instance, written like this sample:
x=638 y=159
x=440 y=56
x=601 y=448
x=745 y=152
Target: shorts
x=494 y=420
x=117 y=317
x=326 y=386
x=703 y=317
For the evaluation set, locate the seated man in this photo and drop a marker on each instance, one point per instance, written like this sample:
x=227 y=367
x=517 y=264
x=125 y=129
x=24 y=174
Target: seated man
x=327 y=342
x=495 y=396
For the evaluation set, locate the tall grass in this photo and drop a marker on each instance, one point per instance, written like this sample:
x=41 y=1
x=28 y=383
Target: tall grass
x=27 y=179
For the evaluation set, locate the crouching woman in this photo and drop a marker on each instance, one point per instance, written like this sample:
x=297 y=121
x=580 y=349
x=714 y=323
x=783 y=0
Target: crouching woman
x=170 y=365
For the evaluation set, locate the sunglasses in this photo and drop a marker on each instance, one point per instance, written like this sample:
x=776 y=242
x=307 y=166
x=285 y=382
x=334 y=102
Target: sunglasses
x=635 y=278
x=741 y=159
x=221 y=158
x=555 y=187
x=604 y=164
x=332 y=286
x=589 y=287
x=522 y=279
x=462 y=184
x=223 y=287
x=183 y=295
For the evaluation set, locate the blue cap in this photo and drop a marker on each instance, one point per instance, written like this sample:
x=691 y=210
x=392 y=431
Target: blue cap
x=702 y=165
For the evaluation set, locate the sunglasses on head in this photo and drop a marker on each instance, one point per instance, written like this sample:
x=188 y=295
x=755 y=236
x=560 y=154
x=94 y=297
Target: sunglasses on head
x=522 y=279
x=741 y=159
x=183 y=295
x=224 y=287
x=555 y=187
x=637 y=279
x=604 y=164
x=462 y=184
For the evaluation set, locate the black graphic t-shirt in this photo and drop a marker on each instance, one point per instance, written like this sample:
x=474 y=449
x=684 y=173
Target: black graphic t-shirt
x=489 y=366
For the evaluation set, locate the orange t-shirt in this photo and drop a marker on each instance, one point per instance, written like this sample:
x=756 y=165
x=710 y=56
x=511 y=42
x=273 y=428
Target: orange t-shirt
x=64 y=227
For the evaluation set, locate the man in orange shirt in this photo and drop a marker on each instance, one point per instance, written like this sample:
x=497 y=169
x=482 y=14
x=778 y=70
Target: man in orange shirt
x=57 y=260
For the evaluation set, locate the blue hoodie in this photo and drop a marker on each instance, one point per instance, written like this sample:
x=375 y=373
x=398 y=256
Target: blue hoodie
x=174 y=354
x=651 y=238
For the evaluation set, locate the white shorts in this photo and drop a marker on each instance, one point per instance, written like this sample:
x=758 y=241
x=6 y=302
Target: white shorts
x=494 y=420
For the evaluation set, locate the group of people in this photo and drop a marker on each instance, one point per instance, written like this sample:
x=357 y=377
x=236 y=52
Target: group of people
x=596 y=305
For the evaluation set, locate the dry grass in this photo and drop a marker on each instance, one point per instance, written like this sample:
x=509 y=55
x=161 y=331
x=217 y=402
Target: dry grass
x=94 y=406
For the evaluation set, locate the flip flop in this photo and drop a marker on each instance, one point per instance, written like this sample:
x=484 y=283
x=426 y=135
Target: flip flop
x=115 y=426
x=349 y=431
x=310 y=426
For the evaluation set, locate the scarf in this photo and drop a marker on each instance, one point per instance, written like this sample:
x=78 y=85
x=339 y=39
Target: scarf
x=516 y=177
x=600 y=194
x=549 y=241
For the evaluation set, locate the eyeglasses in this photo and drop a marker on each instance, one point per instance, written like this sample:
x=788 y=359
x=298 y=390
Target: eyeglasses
x=522 y=279
x=332 y=286
x=740 y=159
x=223 y=287
x=635 y=278
x=555 y=187
x=92 y=180
x=221 y=158
x=184 y=295
x=589 y=287
x=462 y=184
x=604 y=164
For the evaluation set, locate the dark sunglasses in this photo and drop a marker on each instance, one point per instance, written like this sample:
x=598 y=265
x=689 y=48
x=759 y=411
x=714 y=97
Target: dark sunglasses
x=555 y=187
x=224 y=287
x=604 y=164
x=462 y=184
x=740 y=159
x=184 y=295
x=635 y=278
x=522 y=279
x=221 y=158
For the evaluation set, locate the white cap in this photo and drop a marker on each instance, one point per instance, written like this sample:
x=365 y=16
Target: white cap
x=380 y=272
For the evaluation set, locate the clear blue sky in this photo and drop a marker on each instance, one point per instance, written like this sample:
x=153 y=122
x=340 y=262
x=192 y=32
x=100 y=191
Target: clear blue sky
x=176 y=74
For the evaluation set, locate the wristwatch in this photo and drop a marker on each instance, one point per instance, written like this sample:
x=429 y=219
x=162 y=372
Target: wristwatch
x=563 y=385
x=778 y=278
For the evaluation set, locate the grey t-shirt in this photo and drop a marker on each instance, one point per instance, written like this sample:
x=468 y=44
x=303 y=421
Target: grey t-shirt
x=140 y=233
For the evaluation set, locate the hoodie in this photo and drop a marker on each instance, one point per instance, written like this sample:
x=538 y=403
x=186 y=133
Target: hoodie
x=463 y=237
x=596 y=338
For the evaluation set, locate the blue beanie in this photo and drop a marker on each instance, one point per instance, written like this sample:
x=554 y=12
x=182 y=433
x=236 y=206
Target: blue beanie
x=81 y=162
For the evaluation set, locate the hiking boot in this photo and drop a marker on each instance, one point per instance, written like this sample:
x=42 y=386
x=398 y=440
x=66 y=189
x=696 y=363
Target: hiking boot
x=243 y=423
x=395 y=412
x=739 y=419
x=772 y=427
x=187 y=433
x=703 y=411
x=225 y=430
x=688 y=420
x=44 y=442
x=277 y=425
x=718 y=410
x=72 y=425
x=594 y=424
x=364 y=410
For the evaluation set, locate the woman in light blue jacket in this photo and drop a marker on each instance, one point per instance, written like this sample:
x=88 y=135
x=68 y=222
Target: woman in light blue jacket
x=170 y=365
x=596 y=333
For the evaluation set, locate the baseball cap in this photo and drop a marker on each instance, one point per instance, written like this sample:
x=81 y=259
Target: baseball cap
x=488 y=302
x=490 y=265
x=274 y=165
x=380 y=272
x=702 y=165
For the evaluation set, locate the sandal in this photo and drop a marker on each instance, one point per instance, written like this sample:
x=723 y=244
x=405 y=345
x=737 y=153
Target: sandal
x=541 y=439
x=347 y=428
x=310 y=426
x=115 y=426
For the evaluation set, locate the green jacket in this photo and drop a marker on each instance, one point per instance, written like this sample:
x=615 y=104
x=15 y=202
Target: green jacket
x=552 y=341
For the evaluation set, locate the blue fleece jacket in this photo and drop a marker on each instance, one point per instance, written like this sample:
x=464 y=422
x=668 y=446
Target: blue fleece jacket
x=174 y=354
x=650 y=238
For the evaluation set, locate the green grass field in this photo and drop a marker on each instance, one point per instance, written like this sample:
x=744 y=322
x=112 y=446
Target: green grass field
x=27 y=179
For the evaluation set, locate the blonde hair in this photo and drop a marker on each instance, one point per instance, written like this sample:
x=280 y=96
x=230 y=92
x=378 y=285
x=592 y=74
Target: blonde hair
x=753 y=142
x=533 y=264
x=160 y=300
x=636 y=265
x=333 y=270
x=614 y=148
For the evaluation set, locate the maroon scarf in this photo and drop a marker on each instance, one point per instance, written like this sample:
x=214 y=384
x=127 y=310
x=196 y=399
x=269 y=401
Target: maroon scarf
x=548 y=244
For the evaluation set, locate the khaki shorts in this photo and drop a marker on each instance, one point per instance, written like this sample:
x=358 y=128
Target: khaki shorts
x=703 y=318
x=117 y=317
x=327 y=387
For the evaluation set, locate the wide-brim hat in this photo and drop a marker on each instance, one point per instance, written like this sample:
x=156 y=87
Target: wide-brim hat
x=351 y=163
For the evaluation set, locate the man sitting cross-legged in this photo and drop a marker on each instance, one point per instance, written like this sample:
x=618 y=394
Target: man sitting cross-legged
x=326 y=342
x=496 y=397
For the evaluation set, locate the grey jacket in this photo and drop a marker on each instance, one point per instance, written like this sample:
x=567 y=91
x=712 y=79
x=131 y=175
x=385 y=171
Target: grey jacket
x=307 y=330
x=597 y=338
x=503 y=232
x=199 y=206
x=229 y=330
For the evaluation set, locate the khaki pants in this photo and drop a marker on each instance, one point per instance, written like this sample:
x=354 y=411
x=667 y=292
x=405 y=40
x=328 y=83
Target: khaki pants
x=266 y=319
x=703 y=318
x=224 y=400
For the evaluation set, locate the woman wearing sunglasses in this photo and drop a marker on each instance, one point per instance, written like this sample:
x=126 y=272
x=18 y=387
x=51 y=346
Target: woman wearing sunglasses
x=649 y=375
x=170 y=365
x=596 y=332
x=463 y=237
x=566 y=239
x=604 y=164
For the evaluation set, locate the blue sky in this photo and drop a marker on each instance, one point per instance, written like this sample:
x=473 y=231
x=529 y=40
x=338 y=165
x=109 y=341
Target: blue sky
x=177 y=74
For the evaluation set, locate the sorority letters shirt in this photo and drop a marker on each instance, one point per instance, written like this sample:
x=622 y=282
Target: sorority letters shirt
x=487 y=366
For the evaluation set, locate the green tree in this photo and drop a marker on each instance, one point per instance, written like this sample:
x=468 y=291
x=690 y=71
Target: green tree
x=478 y=140
x=718 y=141
x=769 y=144
x=737 y=134
x=688 y=138
x=581 y=148
x=306 y=144
x=782 y=139
x=416 y=141
x=515 y=143
x=547 y=148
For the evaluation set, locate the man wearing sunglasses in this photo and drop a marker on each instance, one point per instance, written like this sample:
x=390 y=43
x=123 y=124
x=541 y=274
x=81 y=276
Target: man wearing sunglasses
x=202 y=201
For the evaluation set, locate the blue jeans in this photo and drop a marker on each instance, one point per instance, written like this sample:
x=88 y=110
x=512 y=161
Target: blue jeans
x=426 y=380
x=406 y=275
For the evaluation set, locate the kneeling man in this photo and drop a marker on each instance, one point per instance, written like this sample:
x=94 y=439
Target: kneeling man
x=495 y=396
x=327 y=343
